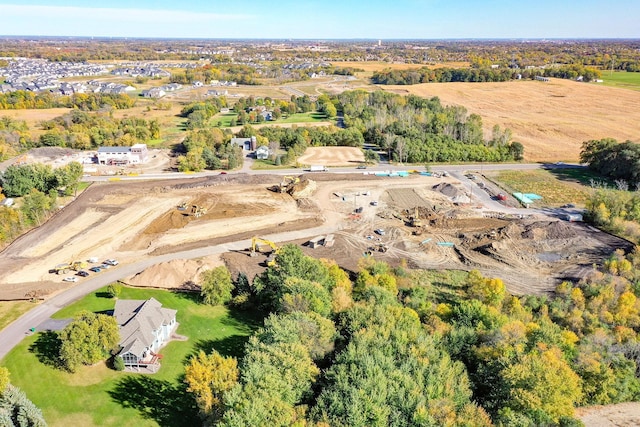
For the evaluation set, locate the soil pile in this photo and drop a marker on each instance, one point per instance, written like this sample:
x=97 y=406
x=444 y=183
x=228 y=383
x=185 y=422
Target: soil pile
x=548 y=230
x=303 y=189
x=177 y=274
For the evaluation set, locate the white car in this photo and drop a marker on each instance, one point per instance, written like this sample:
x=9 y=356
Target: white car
x=379 y=231
x=70 y=279
x=111 y=262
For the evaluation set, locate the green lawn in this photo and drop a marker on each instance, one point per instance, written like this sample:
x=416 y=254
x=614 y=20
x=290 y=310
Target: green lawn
x=99 y=396
x=622 y=79
x=224 y=118
x=554 y=190
x=302 y=118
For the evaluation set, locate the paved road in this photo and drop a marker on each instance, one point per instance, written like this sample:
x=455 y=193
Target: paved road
x=13 y=334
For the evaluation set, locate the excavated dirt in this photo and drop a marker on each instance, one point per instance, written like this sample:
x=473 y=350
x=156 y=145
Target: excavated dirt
x=136 y=220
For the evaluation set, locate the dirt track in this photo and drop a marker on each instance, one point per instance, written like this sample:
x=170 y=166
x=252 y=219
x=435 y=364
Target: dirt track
x=133 y=221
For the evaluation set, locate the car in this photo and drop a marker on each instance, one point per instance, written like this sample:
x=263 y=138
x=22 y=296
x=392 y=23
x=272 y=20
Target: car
x=104 y=266
x=111 y=262
x=82 y=273
x=374 y=203
x=95 y=269
x=223 y=173
x=361 y=167
x=379 y=231
x=70 y=279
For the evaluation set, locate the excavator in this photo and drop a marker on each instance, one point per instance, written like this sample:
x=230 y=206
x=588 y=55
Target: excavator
x=288 y=181
x=255 y=249
x=415 y=221
x=198 y=211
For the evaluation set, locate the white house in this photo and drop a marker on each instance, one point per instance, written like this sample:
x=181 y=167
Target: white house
x=262 y=152
x=120 y=156
x=145 y=326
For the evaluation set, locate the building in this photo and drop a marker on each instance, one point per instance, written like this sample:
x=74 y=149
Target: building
x=262 y=152
x=154 y=92
x=145 y=327
x=246 y=143
x=122 y=156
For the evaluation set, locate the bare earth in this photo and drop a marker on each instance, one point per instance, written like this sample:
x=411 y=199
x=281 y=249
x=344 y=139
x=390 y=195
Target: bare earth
x=551 y=119
x=620 y=415
x=332 y=156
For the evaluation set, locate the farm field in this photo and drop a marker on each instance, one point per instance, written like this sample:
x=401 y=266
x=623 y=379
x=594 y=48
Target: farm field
x=551 y=119
x=370 y=67
x=622 y=79
x=99 y=396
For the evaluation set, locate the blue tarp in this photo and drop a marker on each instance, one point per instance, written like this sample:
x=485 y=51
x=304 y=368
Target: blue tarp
x=532 y=196
x=522 y=198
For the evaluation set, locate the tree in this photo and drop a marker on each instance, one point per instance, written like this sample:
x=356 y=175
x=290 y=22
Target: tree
x=216 y=286
x=35 y=206
x=114 y=290
x=516 y=150
x=17 y=410
x=4 y=378
x=208 y=376
x=88 y=339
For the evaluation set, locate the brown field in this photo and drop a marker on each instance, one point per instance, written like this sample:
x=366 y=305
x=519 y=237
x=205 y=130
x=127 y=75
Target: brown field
x=33 y=117
x=550 y=119
x=332 y=156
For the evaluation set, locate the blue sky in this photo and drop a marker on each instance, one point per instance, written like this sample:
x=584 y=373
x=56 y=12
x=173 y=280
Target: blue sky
x=327 y=19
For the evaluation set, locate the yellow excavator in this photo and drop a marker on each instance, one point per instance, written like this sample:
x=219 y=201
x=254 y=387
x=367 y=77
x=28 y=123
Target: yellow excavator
x=255 y=249
x=198 y=211
x=288 y=181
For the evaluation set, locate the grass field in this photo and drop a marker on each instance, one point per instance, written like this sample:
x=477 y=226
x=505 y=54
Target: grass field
x=11 y=310
x=99 y=396
x=555 y=189
x=622 y=79
x=310 y=117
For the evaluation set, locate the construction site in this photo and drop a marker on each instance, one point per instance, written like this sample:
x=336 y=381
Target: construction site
x=421 y=221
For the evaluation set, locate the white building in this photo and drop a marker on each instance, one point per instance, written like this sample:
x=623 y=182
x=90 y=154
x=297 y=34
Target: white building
x=120 y=156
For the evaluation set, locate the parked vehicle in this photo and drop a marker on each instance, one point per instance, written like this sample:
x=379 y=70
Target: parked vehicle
x=111 y=262
x=70 y=279
x=82 y=273
x=95 y=269
x=379 y=231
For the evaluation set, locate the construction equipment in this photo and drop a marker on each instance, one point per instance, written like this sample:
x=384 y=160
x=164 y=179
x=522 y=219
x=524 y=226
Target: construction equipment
x=288 y=181
x=198 y=211
x=415 y=220
x=182 y=206
x=68 y=266
x=255 y=249
x=378 y=248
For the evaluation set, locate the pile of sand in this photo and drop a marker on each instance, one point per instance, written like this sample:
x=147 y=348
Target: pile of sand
x=548 y=230
x=448 y=190
x=176 y=274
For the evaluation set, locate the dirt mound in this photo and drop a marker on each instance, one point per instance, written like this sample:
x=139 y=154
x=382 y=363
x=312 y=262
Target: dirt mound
x=448 y=190
x=303 y=189
x=168 y=221
x=548 y=230
x=176 y=274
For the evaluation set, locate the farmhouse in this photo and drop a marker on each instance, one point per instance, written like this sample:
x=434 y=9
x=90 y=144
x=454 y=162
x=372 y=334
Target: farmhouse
x=145 y=326
x=120 y=156
x=262 y=152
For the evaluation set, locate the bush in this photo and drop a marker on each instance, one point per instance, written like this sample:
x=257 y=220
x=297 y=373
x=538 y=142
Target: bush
x=117 y=363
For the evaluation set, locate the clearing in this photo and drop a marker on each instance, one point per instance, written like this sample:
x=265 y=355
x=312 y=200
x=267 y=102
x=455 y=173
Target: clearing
x=137 y=220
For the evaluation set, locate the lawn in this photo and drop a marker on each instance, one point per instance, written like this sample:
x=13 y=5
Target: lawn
x=224 y=119
x=554 y=189
x=11 y=310
x=622 y=79
x=96 y=395
x=303 y=118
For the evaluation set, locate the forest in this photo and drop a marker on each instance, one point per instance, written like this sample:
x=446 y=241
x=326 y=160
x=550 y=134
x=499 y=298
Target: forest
x=395 y=347
x=22 y=99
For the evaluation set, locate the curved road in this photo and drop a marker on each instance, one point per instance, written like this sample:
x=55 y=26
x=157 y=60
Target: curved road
x=13 y=334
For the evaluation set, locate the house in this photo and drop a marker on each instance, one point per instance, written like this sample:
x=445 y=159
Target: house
x=246 y=143
x=145 y=326
x=154 y=92
x=262 y=152
x=120 y=156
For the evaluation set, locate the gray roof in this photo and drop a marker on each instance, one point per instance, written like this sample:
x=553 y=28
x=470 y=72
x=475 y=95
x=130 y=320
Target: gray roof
x=138 y=319
x=114 y=149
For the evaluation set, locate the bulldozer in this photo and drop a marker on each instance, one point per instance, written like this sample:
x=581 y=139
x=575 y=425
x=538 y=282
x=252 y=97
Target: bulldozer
x=255 y=249
x=198 y=211
x=285 y=185
x=68 y=266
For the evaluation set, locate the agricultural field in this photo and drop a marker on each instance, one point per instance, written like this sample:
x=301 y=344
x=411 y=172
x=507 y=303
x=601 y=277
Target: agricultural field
x=551 y=119
x=370 y=67
x=554 y=190
x=97 y=395
x=622 y=79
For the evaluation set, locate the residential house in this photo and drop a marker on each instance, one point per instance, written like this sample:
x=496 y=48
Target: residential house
x=145 y=326
x=246 y=143
x=154 y=92
x=262 y=152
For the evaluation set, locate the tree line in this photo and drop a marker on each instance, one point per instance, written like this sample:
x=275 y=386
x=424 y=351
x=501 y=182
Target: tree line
x=23 y=99
x=386 y=347
x=483 y=74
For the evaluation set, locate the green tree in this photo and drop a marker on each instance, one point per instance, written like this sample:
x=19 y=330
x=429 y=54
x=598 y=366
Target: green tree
x=4 y=378
x=88 y=339
x=114 y=290
x=35 y=207
x=217 y=286
x=17 y=410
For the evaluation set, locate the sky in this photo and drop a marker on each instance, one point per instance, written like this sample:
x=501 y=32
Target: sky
x=327 y=19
